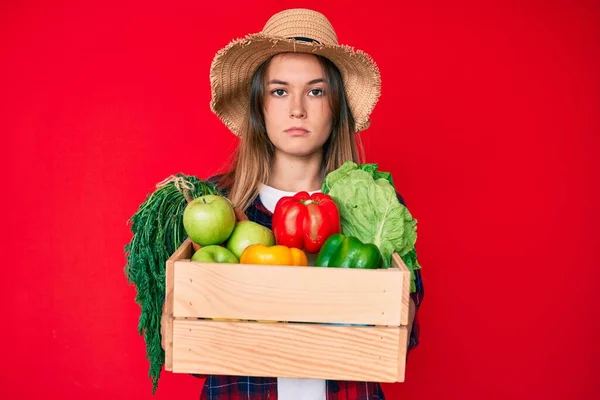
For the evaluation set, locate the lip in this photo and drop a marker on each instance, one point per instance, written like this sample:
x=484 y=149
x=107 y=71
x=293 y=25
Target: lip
x=296 y=131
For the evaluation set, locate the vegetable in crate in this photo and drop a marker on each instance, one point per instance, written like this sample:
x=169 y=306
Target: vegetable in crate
x=305 y=221
x=246 y=233
x=273 y=255
x=158 y=231
x=215 y=254
x=209 y=219
x=348 y=252
x=370 y=211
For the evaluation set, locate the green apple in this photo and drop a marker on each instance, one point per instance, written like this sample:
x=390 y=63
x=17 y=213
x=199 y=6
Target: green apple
x=246 y=233
x=215 y=254
x=209 y=219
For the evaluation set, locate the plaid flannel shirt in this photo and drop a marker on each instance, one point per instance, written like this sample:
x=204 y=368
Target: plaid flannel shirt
x=217 y=387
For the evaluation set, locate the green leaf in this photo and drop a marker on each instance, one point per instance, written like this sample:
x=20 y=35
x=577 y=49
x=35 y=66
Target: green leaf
x=410 y=259
x=370 y=210
x=372 y=169
x=335 y=176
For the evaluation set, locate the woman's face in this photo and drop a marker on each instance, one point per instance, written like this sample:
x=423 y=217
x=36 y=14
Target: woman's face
x=297 y=113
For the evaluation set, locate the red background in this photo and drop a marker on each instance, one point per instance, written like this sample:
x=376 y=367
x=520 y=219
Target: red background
x=488 y=121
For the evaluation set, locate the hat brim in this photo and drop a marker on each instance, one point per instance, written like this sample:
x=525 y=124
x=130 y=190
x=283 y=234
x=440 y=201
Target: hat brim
x=233 y=66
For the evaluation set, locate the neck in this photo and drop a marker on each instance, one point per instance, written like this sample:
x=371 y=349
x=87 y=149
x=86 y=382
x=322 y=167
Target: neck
x=295 y=174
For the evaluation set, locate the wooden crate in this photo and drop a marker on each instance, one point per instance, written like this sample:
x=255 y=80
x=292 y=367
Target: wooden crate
x=291 y=321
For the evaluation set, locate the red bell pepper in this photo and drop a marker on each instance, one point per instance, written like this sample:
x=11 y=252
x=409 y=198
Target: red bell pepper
x=305 y=221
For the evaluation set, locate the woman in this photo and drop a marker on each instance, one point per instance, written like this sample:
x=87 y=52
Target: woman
x=296 y=98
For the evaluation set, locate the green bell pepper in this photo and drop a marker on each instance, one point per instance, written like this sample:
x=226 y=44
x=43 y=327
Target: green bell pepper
x=342 y=251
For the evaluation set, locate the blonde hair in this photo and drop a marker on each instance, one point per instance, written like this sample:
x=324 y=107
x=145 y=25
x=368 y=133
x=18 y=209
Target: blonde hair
x=251 y=162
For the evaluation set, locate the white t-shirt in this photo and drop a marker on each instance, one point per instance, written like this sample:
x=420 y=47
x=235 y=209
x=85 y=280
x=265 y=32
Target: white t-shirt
x=269 y=196
x=292 y=388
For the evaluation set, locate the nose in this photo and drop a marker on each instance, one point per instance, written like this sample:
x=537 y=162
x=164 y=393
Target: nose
x=297 y=109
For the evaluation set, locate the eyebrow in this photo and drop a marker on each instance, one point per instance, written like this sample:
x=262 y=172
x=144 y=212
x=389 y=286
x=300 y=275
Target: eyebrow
x=280 y=82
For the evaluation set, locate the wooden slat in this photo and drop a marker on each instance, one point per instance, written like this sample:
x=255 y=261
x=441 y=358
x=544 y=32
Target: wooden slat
x=403 y=345
x=287 y=350
x=402 y=351
x=400 y=265
x=301 y=294
x=183 y=252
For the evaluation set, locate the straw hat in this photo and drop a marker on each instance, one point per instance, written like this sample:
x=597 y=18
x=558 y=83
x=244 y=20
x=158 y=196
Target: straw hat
x=294 y=30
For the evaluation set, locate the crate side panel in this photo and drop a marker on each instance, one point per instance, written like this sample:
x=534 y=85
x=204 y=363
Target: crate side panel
x=298 y=294
x=286 y=350
x=183 y=252
x=399 y=265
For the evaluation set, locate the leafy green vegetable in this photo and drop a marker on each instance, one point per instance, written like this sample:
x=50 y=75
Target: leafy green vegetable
x=341 y=172
x=370 y=210
x=372 y=169
x=410 y=259
x=157 y=232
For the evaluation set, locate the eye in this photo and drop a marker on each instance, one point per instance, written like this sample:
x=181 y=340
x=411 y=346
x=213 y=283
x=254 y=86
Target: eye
x=316 y=92
x=278 y=92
